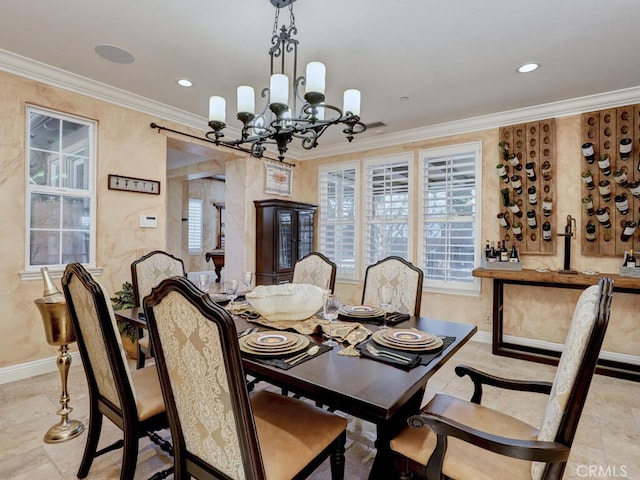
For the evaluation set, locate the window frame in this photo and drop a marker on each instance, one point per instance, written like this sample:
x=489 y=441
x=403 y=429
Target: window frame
x=475 y=149
x=323 y=222
x=31 y=271
x=372 y=162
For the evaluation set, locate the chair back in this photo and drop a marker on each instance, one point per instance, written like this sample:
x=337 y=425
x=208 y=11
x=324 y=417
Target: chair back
x=315 y=269
x=575 y=370
x=99 y=341
x=399 y=274
x=149 y=270
x=203 y=383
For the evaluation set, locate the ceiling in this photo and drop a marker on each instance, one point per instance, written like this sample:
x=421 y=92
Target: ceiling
x=453 y=59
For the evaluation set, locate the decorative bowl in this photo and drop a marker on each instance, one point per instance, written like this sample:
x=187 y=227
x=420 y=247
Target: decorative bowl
x=289 y=301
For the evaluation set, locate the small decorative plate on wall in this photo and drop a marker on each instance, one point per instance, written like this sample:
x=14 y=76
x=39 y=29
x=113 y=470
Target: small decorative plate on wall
x=131 y=184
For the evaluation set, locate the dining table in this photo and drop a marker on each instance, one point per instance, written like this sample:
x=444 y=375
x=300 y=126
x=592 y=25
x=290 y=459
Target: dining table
x=371 y=390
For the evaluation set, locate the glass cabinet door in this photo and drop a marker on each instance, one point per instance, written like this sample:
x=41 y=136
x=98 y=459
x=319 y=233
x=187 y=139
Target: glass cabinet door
x=284 y=225
x=305 y=233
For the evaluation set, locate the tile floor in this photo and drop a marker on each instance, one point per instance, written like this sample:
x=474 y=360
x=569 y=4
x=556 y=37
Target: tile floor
x=607 y=444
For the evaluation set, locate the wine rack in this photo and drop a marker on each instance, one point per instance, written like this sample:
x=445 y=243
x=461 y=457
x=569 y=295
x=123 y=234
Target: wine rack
x=533 y=144
x=605 y=129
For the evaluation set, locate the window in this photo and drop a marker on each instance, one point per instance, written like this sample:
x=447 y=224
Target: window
x=60 y=190
x=449 y=237
x=339 y=194
x=195 y=226
x=387 y=207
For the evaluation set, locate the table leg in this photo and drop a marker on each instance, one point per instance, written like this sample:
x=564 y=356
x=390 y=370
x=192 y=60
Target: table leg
x=498 y=317
x=382 y=468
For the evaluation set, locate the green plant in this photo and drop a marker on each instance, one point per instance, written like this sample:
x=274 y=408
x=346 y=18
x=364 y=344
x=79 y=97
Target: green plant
x=122 y=299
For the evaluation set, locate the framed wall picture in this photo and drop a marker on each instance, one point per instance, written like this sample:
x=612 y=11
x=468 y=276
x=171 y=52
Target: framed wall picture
x=132 y=184
x=278 y=179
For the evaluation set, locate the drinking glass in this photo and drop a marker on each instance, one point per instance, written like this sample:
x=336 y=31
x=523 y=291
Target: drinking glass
x=231 y=289
x=203 y=282
x=247 y=278
x=385 y=295
x=331 y=306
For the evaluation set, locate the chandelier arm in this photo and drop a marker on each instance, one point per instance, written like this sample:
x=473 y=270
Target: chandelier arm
x=223 y=143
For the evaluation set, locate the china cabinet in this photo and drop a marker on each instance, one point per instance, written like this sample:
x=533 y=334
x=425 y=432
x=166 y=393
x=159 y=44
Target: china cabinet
x=284 y=234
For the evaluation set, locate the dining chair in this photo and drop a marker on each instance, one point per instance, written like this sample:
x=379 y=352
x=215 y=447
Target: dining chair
x=147 y=272
x=467 y=441
x=404 y=277
x=315 y=269
x=131 y=400
x=218 y=429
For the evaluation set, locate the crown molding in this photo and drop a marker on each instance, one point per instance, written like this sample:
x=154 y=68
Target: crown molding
x=28 y=68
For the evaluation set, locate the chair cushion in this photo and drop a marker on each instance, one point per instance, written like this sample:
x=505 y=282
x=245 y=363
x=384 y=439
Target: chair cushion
x=465 y=461
x=291 y=432
x=149 y=399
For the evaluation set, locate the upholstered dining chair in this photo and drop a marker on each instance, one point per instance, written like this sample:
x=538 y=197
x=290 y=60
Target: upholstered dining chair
x=404 y=277
x=132 y=400
x=147 y=272
x=315 y=269
x=218 y=429
x=464 y=440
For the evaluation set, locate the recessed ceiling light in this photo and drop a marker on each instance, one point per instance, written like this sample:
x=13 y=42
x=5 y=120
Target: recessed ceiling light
x=183 y=82
x=404 y=99
x=114 y=54
x=528 y=67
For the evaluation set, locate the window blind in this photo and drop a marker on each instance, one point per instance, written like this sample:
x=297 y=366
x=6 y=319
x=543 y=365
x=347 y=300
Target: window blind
x=195 y=226
x=449 y=243
x=338 y=192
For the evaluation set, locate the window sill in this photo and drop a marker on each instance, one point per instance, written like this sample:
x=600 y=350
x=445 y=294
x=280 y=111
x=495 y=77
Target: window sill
x=32 y=275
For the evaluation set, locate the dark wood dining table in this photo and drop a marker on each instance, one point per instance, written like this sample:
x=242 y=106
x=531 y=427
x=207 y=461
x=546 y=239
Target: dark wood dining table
x=364 y=388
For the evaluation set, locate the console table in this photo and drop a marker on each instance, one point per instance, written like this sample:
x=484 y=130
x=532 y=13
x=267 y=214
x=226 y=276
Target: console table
x=217 y=256
x=554 y=280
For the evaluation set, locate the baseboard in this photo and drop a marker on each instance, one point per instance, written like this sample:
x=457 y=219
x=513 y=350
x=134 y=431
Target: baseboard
x=486 y=337
x=33 y=368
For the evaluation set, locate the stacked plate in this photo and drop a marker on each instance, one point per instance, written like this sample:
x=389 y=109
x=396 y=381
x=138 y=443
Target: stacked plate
x=360 y=312
x=273 y=343
x=220 y=298
x=407 y=339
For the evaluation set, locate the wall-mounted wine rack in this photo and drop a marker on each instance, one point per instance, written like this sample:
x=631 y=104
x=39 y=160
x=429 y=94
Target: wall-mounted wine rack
x=605 y=130
x=531 y=145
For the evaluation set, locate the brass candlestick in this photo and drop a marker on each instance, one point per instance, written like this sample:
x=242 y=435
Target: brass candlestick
x=59 y=332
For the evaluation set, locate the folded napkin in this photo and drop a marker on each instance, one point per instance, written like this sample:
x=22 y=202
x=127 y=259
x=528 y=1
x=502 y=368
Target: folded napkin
x=282 y=364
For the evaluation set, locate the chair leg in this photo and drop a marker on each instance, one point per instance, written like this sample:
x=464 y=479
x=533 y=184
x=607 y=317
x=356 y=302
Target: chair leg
x=337 y=458
x=91 y=447
x=129 y=454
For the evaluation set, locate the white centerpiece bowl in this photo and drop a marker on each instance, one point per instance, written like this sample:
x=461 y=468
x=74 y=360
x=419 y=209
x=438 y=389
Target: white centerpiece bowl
x=289 y=301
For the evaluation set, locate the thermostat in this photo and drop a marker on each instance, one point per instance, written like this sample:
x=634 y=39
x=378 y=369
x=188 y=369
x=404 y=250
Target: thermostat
x=148 y=221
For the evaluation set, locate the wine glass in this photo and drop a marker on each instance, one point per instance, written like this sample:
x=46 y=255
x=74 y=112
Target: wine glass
x=385 y=296
x=247 y=278
x=331 y=306
x=231 y=289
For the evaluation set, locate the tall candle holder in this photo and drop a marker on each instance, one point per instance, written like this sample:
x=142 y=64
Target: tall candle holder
x=59 y=332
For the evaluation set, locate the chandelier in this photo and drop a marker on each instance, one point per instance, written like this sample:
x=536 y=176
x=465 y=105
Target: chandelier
x=280 y=120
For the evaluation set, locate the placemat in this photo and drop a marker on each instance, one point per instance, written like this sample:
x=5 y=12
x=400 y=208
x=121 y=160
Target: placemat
x=280 y=362
x=416 y=358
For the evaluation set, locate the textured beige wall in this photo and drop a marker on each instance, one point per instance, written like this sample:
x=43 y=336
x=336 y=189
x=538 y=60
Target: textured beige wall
x=126 y=145
x=530 y=312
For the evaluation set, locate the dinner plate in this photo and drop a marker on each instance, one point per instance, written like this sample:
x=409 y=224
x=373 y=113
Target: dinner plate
x=380 y=339
x=408 y=336
x=360 y=311
x=266 y=349
x=219 y=298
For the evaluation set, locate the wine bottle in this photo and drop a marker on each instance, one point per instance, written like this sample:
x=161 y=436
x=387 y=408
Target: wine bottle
x=504 y=253
x=546 y=231
x=517 y=230
x=502 y=172
x=513 y=256
x=604 y=164
x=492 y=253
x=533 y=195
x=588 y=153
x=531 y=219
x=487 y=251
x=590 y=234
x=631 y=259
